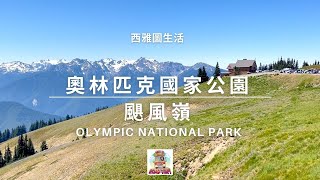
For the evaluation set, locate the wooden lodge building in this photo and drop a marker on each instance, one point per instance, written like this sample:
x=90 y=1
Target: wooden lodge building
x=242 y=67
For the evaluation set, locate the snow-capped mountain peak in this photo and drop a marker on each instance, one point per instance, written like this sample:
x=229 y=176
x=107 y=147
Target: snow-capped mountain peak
x=106 y=66
x=15 y=66
x=107 y=60
x=119 y=64
x=113 y=65
x=51 y=61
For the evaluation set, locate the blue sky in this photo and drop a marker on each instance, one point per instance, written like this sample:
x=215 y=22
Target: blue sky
x=221 y=30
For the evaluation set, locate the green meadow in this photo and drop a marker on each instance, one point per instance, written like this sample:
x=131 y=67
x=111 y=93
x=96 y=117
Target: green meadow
x=280 y=138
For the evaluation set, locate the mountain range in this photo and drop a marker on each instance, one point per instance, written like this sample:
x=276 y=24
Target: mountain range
x=14 y=114
x=29 y=83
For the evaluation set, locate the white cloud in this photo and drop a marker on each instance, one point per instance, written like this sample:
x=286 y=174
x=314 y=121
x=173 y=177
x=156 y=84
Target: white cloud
x=34 y=102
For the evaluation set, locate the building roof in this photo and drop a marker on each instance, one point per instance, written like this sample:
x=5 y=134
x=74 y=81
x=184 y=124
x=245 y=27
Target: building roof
x=231 y=66
x=245 y=63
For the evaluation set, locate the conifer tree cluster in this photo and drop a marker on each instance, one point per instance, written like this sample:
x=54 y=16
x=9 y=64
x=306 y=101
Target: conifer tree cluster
x=6 y=158
x=7 y=134
x=23 y=149
x=101 y=108
x=316 y=62
x=19 y=130
x=41 y=123
x=307 y=64
x=280 y=64
x=203 y=74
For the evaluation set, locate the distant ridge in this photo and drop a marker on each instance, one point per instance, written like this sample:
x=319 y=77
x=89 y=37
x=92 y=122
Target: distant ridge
x=14 y=114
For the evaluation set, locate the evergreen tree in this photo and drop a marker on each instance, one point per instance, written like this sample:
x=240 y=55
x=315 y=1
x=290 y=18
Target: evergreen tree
x=25 y=148
x=15 y=156
x=200 y=74
x=260 y=67
x=8 y=155
x=30 y=146
x=21 y=147
x=237 y=70
x=43 y=146
x=217 y=71
x=205 y=76
x=2 y=162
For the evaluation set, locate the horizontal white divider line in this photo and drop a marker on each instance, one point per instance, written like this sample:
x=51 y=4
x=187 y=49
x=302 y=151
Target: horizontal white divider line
x=159 y=97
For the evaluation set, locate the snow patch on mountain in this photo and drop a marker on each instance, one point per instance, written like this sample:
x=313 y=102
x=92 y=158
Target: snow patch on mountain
x=104 y=66
x=16 y=66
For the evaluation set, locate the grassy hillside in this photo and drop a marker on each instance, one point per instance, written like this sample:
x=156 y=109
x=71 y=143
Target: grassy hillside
x=279 y=138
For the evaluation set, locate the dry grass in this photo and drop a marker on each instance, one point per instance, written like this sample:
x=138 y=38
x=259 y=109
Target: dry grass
x=113 y=157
